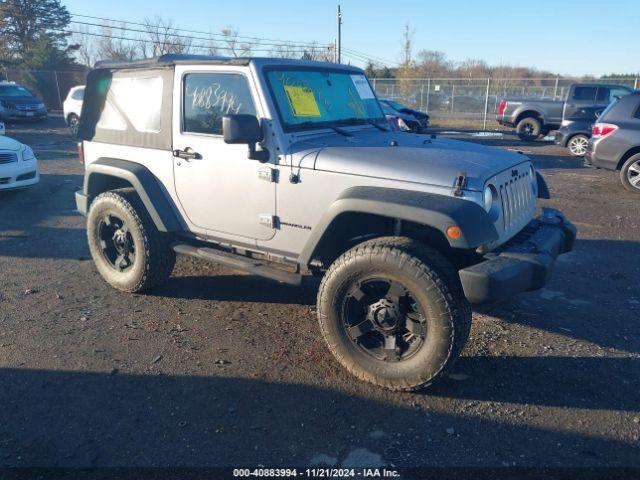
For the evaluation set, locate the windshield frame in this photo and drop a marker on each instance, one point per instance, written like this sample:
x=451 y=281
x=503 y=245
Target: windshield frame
x=303 y=127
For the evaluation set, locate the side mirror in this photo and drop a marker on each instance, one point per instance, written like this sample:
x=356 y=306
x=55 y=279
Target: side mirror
x=244 y=129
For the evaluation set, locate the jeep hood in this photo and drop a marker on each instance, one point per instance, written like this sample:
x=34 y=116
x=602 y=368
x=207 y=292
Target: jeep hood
x=415 y=158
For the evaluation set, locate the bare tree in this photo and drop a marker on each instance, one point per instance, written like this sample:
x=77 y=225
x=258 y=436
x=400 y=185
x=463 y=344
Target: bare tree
x=114 y=45
x=233 y=45
x=165 y=38
x=87 y=52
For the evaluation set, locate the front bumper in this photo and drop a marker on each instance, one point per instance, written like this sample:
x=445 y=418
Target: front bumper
x=18 y=175
x=15 y=114
x=525 y=263
x=81 y=202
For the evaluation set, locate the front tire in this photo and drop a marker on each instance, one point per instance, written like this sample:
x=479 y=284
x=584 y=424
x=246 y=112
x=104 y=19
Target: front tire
x=630 y=174
x=127 y=248
x=74 y=124
x=393 y=313
x=529 y=129
x=577 y=145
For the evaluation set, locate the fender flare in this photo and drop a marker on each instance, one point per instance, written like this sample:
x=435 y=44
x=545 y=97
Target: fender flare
x=436 y=211
x=154 y=197
x=522 y=109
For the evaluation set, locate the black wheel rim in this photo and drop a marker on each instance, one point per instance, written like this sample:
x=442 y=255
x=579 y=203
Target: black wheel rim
x=383 y=319
x=116 y=242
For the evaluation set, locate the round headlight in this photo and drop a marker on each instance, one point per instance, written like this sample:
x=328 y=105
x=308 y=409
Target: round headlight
x=487 y=200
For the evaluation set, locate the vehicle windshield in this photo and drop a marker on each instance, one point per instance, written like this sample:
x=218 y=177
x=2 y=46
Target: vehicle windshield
x=14 y=91
x=309 y=98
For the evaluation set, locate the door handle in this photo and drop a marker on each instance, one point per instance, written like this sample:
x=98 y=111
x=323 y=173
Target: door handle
x=187 y=154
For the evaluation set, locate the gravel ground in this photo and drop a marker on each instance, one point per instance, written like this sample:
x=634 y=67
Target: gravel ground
x=220 y=368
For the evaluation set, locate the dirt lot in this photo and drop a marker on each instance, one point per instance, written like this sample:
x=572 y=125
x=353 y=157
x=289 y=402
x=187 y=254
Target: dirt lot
x=220 y=368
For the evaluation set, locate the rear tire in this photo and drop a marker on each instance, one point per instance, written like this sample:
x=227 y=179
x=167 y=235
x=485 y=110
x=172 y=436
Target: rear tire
x=127 y=248
x=630 y=174
x=577 y=145
x=431 y=317
x=529 y=129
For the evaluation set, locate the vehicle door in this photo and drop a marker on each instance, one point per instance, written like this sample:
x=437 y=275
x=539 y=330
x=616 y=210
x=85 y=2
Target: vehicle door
x=580 y=96
x=219 y=188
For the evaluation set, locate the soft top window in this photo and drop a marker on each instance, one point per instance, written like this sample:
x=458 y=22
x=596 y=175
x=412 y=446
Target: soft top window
x=133 y=100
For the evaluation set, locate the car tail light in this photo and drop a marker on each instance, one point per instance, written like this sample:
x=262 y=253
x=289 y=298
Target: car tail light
x=600 y=130
x=502 y=107
x=81 y=152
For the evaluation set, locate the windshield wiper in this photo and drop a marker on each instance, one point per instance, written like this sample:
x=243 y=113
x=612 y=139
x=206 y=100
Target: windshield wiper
x=320 y=125
x=359 y=121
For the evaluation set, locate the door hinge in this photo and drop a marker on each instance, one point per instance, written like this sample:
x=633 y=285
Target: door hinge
x=268 y=174
x=268 y=220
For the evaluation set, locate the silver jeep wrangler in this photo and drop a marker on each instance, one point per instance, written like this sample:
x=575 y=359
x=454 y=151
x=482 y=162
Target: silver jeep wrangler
x=287 y=169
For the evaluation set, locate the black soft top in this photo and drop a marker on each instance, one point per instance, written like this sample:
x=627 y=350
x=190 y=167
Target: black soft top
x=172 y=59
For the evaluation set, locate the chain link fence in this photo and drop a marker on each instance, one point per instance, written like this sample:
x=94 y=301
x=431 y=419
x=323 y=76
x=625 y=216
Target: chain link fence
x=443 y=98
x=475 y=98
x=51 y=86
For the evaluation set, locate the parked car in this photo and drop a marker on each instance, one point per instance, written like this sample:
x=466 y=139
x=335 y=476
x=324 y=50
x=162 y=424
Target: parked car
x=423 y=117
x=615 y=141
x=18 y=103
x=397 y=226
x=72 y=107
x=575 y=131
x=536 y=117
x=18 y=165
x=404 y=121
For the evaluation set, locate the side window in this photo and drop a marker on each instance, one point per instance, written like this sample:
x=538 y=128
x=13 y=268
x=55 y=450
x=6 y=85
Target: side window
x=207 y=97
x=613 y=93
x=584 y=93
x=133 y=100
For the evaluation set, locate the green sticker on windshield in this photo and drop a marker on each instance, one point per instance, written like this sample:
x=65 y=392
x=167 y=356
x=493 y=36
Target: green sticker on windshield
x=303 y=103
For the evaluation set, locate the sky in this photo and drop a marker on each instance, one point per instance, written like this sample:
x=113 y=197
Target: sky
x=570 y=37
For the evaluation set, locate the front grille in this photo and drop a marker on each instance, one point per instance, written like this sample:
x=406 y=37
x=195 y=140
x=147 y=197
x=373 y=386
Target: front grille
x=8 y=158
x=26 y=107
x=517 y=198
x=5 y=180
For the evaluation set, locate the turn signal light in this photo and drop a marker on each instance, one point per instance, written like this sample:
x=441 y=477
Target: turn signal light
x=454 y=232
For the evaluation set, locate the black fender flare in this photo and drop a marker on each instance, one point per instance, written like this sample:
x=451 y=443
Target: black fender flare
x=152 y=194
x=433 y=210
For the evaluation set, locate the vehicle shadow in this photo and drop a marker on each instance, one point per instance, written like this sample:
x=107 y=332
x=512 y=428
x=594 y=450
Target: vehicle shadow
x=229 y=287
x=590 y=298
x=91 y=420
x=37 y=222
x=595 y=383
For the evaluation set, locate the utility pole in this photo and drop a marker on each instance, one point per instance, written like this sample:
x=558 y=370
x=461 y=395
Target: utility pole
x=339 y=42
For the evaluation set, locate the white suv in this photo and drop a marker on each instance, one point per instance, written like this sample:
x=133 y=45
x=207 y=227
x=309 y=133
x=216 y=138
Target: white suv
x=72 y=107
x=18 y=165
